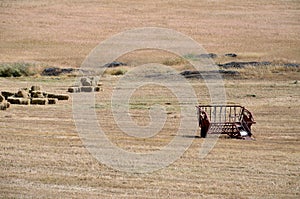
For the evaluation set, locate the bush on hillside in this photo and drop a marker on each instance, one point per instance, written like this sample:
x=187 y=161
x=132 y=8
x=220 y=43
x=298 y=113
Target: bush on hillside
x=16 y=69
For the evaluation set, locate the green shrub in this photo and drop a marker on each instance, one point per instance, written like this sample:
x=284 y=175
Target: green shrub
x=174 y=61
x=16 y=69
x=118 y=72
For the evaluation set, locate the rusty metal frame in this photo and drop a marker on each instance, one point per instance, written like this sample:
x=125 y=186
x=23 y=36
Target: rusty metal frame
x=233 y=120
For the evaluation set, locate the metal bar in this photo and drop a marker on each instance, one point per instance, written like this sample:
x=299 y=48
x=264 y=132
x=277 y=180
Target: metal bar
x=229 y=114
x=241 y=114
x=234 y=113
x=221 y=114
x=225 y=112
x=221 y=106
x=198 y=113
x=215 y=113
x=222 y=123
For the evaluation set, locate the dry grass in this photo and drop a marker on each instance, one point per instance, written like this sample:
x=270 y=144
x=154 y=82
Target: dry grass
x=245 y=56
x=274 y=71
x=116 y=71
x=45 y=155
x=64 y=32
x=41 y=154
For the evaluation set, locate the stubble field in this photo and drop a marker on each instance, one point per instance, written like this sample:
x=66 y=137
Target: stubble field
x=42 y=155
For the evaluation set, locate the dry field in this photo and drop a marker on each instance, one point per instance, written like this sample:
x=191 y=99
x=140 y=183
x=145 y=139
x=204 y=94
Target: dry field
x=42 y=155
x=64 y=32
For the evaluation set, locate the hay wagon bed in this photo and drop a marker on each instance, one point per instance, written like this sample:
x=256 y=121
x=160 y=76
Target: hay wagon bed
x=233 y=120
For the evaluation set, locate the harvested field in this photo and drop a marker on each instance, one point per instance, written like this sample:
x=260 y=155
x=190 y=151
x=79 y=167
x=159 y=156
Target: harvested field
x=41 y=152
x=64 y=32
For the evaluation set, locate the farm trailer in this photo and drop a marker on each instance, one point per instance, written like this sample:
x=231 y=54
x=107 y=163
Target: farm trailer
x=233 y=120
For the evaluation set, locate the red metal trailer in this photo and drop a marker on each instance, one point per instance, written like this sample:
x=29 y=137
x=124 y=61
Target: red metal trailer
x=233 y=120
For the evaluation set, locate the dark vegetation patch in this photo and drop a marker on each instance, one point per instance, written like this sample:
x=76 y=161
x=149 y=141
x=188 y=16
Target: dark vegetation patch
x=208 y=74
x=114 y=64
x=243 y=64
x=54 y=71
x=17 y=69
